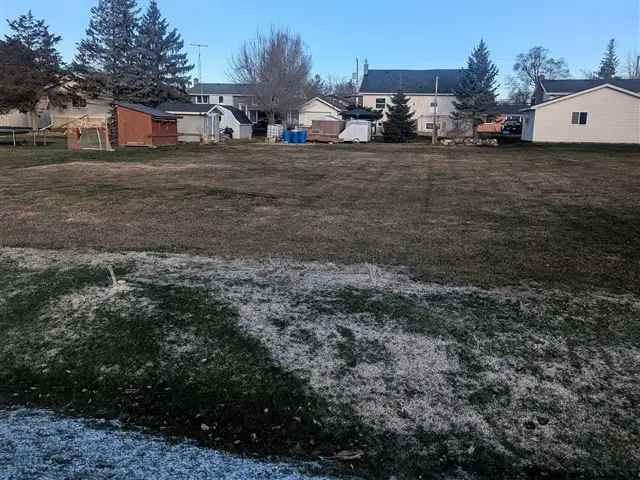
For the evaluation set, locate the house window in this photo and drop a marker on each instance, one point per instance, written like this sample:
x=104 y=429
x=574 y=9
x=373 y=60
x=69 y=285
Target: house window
x=428 y=126
x=220 y=99
x=380 y=103
x=202 y=98
x=579 y=118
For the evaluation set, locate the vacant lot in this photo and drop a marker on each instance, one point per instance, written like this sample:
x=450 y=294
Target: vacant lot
x=416 y=312
x=563 y=216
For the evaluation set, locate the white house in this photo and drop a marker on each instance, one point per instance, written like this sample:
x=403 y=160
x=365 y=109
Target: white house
x=319 y=108
x=234 y=94
x=236 y=119
x=379 y=86
x=608 y=112
x=196 y=122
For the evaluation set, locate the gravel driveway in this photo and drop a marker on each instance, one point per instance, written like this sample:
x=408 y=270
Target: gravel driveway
x=38 y=444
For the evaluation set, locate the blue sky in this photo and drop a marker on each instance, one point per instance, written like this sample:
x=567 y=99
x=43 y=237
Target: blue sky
x=402 y=34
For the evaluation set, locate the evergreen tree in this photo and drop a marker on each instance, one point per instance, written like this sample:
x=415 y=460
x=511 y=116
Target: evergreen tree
x=399 y=127
x=609 y=64
x=106 y=57
x=162 y=67
x=32 y=66
x=476 y=92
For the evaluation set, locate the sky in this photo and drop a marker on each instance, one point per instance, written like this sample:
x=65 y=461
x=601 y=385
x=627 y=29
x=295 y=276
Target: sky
x=410 y=34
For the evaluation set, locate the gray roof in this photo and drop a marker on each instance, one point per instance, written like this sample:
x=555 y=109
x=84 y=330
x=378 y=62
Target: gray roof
x=220 y=89
x=238 y=114
x=573 y=86
x=185 y=107
x=511 y=108
x=410 y=81
x=154 y=112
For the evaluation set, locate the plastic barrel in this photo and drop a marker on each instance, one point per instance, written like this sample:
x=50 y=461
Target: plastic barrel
x=286 y=137
x=294 y=136
x=303 y=134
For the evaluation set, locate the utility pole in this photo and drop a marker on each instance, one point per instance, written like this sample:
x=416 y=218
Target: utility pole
x=434 y=131
x=638 y=67
x=199 y=46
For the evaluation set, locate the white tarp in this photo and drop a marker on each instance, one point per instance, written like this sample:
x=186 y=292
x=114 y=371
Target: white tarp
x=356 y=131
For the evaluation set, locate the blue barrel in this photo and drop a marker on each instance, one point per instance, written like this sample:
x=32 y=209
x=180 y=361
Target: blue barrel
x=303 y=134
x=294 y=136
x=286 y=136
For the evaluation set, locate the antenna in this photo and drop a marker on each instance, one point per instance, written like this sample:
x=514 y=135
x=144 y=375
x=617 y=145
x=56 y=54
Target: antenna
x=199 y=46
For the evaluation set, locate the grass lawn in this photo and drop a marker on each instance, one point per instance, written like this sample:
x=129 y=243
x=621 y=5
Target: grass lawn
x=563 y=216
x=446 y=313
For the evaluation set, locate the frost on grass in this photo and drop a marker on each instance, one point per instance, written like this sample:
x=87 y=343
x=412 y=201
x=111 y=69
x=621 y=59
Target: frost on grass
x=543 y=379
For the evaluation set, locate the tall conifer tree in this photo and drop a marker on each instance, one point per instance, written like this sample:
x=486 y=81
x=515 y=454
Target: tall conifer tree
x=162 y=67
x=476 y=92
x=610 y=63
x=106 y=57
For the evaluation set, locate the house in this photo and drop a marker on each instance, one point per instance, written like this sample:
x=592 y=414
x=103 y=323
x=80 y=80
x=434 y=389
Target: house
x=47 y=114
x=379 y=86
x=196 y=122
x=237 y=95
x=142 y=126
x=319 y=108
x=235 y=119
x=589 y=111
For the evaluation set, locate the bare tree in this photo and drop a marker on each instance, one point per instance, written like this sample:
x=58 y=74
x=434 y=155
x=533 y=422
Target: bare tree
x=633 y=66
x=277 y=66
x=537 y=62
x=341 y=87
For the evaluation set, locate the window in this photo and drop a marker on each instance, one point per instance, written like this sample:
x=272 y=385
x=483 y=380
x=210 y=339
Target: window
x=381 y=103
x=202 y=98
x=428 y=126
x=220 y=99
x=579 y=118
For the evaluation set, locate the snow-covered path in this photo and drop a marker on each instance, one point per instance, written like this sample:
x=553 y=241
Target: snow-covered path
x=38 y=444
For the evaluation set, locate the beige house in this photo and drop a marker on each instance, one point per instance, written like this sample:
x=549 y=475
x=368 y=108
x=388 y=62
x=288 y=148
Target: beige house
x=48 y=115
x=605 y=113
x=321 y=108
x=379 y=86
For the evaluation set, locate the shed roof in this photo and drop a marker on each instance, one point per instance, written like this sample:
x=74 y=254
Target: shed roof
x=410 y=81
x=238 y=114
x=154 y=112
x=186 y=107
x=220 y=89
x=577 y=85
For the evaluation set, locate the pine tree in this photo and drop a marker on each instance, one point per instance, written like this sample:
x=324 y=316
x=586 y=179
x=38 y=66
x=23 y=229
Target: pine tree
x=609 y=64
x=106 y=57
x=162 y=67
x=476 y=92
x=33 y=66
x=399 y=127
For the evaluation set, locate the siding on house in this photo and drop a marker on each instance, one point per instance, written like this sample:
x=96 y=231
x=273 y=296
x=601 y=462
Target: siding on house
x=423 y=111
x=613 y=116
x=315 y=109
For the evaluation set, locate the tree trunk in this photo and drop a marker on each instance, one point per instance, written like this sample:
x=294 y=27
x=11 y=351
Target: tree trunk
x=272 y=118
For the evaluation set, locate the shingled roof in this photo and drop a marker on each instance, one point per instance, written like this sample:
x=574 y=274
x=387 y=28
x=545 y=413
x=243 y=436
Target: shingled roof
x=220 y=89
x=154 y=112
x=572 y=86
x=410 y=81
x=185 y=107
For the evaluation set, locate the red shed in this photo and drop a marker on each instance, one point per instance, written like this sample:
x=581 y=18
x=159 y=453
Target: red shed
x=142 y=126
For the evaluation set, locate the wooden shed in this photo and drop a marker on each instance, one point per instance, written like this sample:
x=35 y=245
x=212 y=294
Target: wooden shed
x=142 y=126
